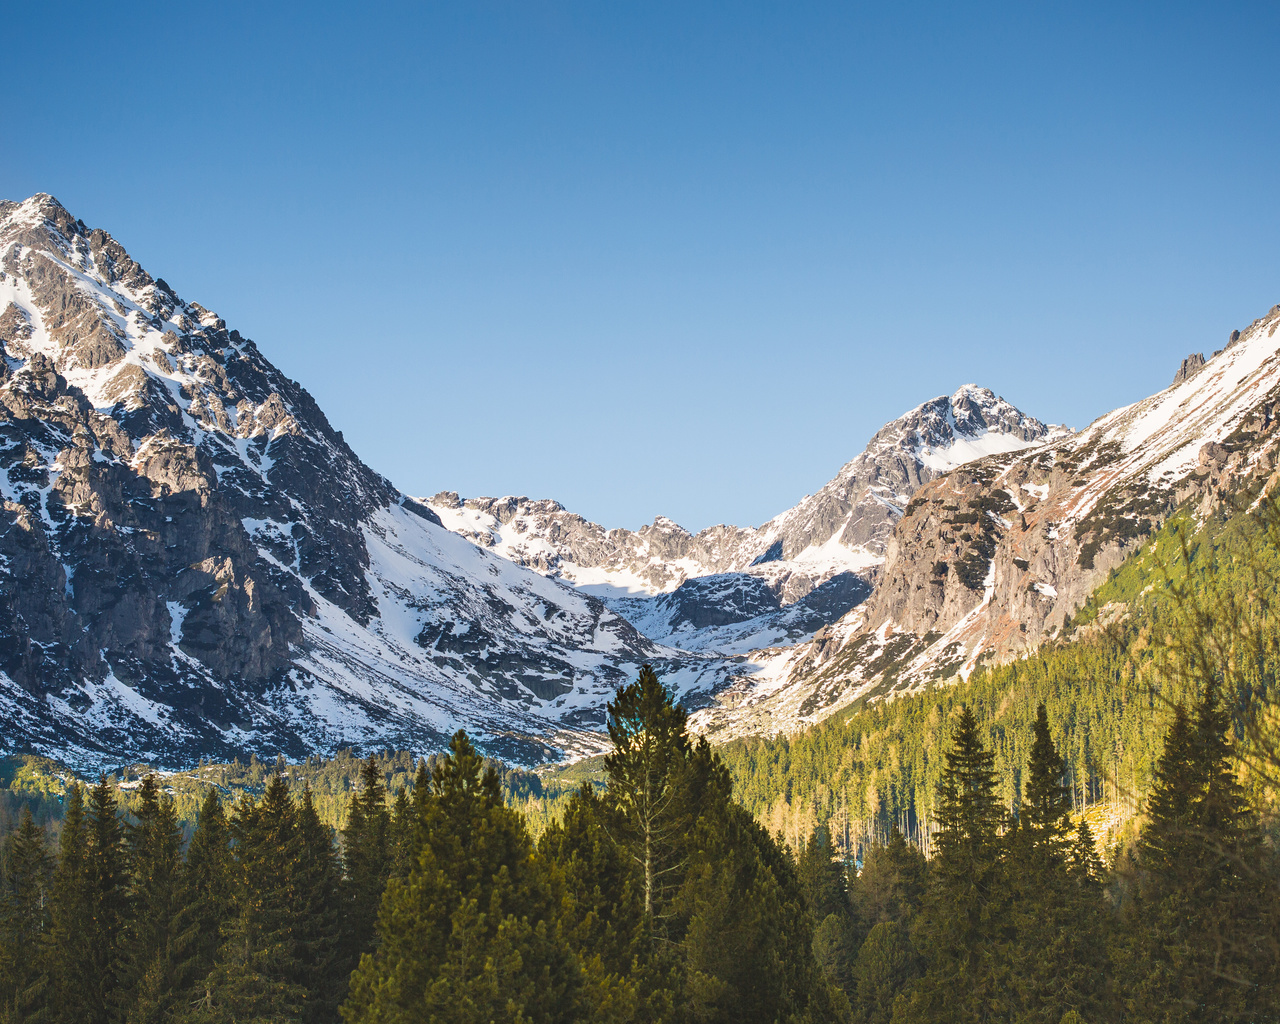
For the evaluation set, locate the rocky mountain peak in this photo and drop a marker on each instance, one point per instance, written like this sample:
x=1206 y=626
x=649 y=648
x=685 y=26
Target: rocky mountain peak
x=193 y=561
x=1190 y=367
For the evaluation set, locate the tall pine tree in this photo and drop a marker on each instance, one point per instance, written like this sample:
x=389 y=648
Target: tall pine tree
x=366 y=859
x=470 y=935
x=24 y=918
x=650 y=790
x=146 y=971
x=1057 y=947
x=106 y=872
x=963 y=925
x=1197 y=948
x=66 y=950
x=206 y=899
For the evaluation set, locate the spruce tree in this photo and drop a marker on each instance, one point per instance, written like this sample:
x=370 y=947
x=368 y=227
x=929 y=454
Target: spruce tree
x=748 y=942
x=963 y=926
x=146 y=971
x=316 y=905
x=106 y=872
x=885 y=966
x=24 y=918
x=602 y=915
x=1199 y=943
x=257 y=968
x=205 y=900
x=66 y=951
x=470 y=935
x=891 y=885
x=400 y=842
x=1056 y=946
x=366 y=858
x=650 y=792
x=822 y=881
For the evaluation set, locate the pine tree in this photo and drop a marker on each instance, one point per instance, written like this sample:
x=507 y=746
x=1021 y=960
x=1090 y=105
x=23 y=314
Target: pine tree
x=205 y=900
x=257 y=968
x=1044 y=821
x=106 y=872
x=400 y=840
x=1056 y=949
x=145 y=968
x=748 y=942
x=649 y=789
x=885 y=966
x=602 y=916
x=963 y=926
x=66 y=951
x=470 y=934
x=1198 y=948
x=24 y=918
x=891 y=885
x=316 y=902
x=822 y=881
x=1083 y=862
x=366 y=857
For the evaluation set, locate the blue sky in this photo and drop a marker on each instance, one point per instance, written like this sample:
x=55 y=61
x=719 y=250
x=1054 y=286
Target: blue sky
x=677 y=259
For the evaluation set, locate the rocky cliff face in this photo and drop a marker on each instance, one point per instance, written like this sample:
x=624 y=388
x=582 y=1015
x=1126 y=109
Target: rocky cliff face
x=192 y=561
x=989 y=560
x=730 y=589
x=843 y=528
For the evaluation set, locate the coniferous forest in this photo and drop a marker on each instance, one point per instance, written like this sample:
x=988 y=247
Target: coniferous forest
x=658 y=898
x=976 y=891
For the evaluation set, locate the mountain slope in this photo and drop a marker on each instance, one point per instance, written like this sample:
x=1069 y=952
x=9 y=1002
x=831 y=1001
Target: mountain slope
x=844 y=527
x=989 y=560
x=730 y=589
x=193 y=562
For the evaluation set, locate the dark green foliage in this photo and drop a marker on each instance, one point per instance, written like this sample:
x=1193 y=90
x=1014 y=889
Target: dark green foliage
x=469 y=934
x=106 y=886
x=962 y=928
x=891 y=886
x=65 y=949
x=275 y=960
x=206 y=900
x=822 y=882
x=366 y=859
x=25 y=869
x=886 y=965
x=602 y=914
x=650 y=796
x=146 y=970
x=1202 y=925
x=1056 y=939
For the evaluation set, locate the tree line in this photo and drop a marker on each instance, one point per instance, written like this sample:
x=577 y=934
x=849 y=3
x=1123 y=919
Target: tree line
x=659 y=898
x=1108 y=685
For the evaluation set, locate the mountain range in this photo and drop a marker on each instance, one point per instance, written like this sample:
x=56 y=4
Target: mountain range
x=194 y=563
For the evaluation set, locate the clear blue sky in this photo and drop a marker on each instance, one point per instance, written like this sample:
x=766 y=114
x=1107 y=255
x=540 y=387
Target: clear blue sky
x=675 y=259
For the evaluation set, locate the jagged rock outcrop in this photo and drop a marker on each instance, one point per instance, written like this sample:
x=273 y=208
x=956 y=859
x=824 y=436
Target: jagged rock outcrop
x=194 y=562
x=989 y=560
x=1189 y=368
x=844 y=527
x=740 y=583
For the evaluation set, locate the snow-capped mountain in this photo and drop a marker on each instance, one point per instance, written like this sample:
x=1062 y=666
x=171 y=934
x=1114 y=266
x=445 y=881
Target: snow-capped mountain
x=989 y=560
x=735 y=589
x=193 y=562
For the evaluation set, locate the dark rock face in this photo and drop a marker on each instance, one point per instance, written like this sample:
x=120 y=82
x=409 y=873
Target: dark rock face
x=1191 y=366
x=127 y=492
x=185 y=547
x=857 y=509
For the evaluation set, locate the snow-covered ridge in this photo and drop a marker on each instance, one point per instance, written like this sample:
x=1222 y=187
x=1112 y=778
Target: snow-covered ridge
x=994 y=556
x=193 y=562
x=843 y=527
